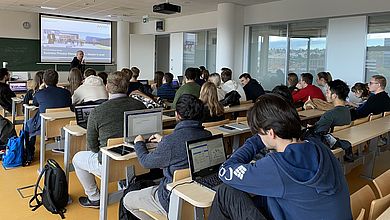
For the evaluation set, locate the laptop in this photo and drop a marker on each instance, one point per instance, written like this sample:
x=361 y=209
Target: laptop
x=205 y=156
x=180 y=78
x=146 y=122
x=82 y=114
x=144 y=82
x=17 y=86
x=175 y=84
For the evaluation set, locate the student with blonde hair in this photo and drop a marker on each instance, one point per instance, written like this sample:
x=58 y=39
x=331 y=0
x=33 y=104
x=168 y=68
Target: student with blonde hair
x=216 y=79
x=213 y=109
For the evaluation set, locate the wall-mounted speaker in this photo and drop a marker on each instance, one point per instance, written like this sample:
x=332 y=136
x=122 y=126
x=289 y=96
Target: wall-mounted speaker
x=160 y=26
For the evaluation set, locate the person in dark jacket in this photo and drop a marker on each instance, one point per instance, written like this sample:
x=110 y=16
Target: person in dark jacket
x=375 y=104
x=134 y=83
x=252 y=88
x=37 y=82
x=299 y=180
x=78 y=61
x=5 y=92
x=49 y=97
x=166 y=91
x=170 y=155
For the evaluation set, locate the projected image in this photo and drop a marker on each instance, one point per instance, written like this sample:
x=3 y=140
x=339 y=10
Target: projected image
x=61 y=37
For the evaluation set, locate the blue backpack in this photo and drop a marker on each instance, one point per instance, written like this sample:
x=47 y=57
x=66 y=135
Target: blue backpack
x=14 y=153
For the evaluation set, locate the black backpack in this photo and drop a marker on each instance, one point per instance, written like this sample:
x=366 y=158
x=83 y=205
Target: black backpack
x=55 y=191
x=7 y=130
x=231 y=98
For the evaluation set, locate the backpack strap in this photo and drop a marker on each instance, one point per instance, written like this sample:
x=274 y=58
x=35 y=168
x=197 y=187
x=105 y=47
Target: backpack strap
x=36 y=194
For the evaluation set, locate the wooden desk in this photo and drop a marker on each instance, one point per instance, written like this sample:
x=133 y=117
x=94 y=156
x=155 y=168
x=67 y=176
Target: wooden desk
x=195 y=194
x=75 y=141
x=385 y=215
x=310 y=114
x=55 y=121
x=238 y=108
x=362 y=133
x=109 y=157
x=229 y=133
x=16 y=108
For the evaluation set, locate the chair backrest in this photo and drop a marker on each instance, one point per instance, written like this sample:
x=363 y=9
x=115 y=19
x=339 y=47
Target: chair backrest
x=114 y=141
x=181 y=174
x=339 y=128
x=378 y=206
x=73 y=123
x=361 y=215
x=382 y=184
x=215 y=123
x=57 y=109
x=168 y=131
x=361 y=200
x=374 y=117
x=385 y=114
x=361 y=121
x=241 y=119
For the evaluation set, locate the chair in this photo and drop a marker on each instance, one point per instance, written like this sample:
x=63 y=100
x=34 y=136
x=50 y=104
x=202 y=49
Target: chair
x=361 y=215
x=241 y=119
x=339 y=128
x=378 y=206
x=50 y=110
x=216 y=123
x=51 y=126
x=374 y=117
x=73 y=123
x=361 y=200
x=187 y=208
x=382 y=184
x=361 y=121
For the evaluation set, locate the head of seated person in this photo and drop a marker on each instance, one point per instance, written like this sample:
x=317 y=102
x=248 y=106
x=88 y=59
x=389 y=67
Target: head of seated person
x=283 y=91
x=306 y=79
x=226 y=74
x=89 y=72
x=377 y=84
x=216 y=79
x=337 y=92
x=4 y=75
x=128 y=72
x=167 y=78
x=323 y=78
x=103 y=75
x=117 y=83
x=188 y=107
x=50 y=77
x=361 y=90
x=190 y=74
x=135 y=74
x=292 y=80
x=209 y=97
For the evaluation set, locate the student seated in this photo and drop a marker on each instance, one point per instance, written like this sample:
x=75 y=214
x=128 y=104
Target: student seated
x=49 y=97
x=283 y=91
x=323 y=78
x=104 y=122
x=5 y=92
x=103 y=75
x=216 y=79
x=375 y=104
x=91 y=90
x=75 y=79
x=252 y=88
x=134 y=83
x=292 y=81
x=166 y=91
x=190 y=87
x=299 y=180
x=89 y=72
x=213 y=109
x=306 y=89
x=170 y=155
x=358 y=95
x=37 y=85
x=231 y=85
x=157 y=82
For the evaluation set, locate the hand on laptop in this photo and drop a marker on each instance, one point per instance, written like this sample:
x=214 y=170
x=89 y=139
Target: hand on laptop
x=139 y=138
x=155 y=138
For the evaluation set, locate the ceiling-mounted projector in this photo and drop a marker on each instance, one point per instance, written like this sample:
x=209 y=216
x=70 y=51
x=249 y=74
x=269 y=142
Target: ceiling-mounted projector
x=166 y=8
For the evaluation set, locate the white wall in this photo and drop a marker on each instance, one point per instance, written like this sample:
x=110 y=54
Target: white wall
x=176 y=49
x=142 y=49
x=289 y=10
x=11 y=24
x=346 y=48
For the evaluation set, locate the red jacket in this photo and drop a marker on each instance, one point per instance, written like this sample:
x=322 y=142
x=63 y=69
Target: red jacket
x=310 y=90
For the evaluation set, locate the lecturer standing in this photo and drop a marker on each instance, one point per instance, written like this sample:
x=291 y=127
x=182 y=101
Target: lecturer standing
x=78 y=61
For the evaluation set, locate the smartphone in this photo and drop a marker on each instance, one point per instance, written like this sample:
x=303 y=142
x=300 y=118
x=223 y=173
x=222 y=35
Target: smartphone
x=122 y=150
x=227 y=127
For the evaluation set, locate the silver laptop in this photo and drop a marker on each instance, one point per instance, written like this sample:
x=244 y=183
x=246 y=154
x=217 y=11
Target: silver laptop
x=205 y=156
x=144 y=122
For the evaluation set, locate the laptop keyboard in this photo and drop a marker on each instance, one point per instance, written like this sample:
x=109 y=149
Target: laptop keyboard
x=210 y=181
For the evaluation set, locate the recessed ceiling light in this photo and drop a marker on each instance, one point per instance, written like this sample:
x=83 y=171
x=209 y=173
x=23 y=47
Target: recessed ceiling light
x=48 y=8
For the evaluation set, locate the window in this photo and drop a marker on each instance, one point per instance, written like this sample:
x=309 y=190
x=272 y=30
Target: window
x=378 y=47
x=277 y=49
x=200 y=49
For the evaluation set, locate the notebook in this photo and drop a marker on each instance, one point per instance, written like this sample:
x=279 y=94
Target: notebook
x=205 y=156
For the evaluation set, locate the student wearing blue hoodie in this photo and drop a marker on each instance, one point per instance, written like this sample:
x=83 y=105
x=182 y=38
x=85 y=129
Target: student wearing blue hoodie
x=298 y=180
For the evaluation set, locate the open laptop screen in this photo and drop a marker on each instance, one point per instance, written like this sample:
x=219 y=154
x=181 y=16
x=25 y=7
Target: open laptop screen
x=142 y=122
x=18 y=86
x=206 y=155
x=82 y=114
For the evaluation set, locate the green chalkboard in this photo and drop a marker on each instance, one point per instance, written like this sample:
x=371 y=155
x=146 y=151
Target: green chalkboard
x=23 y=55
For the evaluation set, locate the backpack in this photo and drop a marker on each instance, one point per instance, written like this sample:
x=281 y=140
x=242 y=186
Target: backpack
x=54 y=195
x=7 y=130
x=13 y=156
